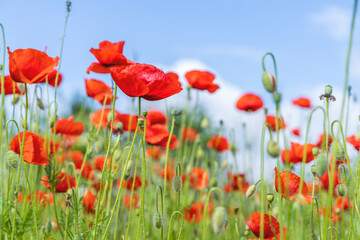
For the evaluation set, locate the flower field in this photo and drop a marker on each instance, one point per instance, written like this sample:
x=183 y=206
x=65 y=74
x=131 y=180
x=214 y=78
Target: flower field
x=169 y=173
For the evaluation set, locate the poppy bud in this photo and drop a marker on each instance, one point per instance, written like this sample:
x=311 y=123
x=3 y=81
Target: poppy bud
x=144 y=114
x=315 y=151
x=213 y=182
x=141 y=123
x=246 y=233
x=1 y=67
x=137 y=212
x=199 y=153
x=157 y=220
x=13 y=159
x=273 y=149
x=313 y=169
x=177 y=183
x=224 y=164
x=269 y=82
x=68 y=5
x=236 y=209
x=97 y=146
x=277 y=97
x=219 y=219
x=15 y=99
x=338 y=150
x=205 y=123
x=117 y=154
x=40 y=104
x=22 y=122
x=328 y=90
x=233 y=148
x=48 y=228
x=35 y=127
x=321 y=164
x=109 y=117
x=341 y=190
x=119 y=126
x=250 y=191
x=128 y=171
x=53 y=121
x=270 y=197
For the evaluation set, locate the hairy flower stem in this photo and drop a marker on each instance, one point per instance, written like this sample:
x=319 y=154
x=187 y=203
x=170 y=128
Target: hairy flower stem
x=2 y=111
x=207 y=207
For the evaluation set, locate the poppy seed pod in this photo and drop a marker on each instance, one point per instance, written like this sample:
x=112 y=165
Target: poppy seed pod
x=273 y=149
x=219 y=219
x=13 y=159
x=270 y=197
x=177 y=183
x=321 y=164
x=328 y=90
x=315 y=151
x=269 y=82
x=277 y=97
x=250 y=191
x=338 y=150
x=157 y=220
x=40 y=104
x=341 y=190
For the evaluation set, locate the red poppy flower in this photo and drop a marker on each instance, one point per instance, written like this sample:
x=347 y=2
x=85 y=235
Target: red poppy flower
x=355 y=141
x=199 y=178
x=135 y=201
x=146 y=81
x=30 y=65
x=322 y=139
x=89 y=201
x=194 y=213
x=218 y=143
x=64 y=182
x=51 y=78
x=10 y=86
x=129 y=121
x=296 y=132
x=99 y=91
x=158 y=135
x=155 y=117
x=99 y=162
x=302 y=102
x=34 y=151
x=202 y=80
x=325 y=183
x=109 y=55
x=290 y=187
x=271 y=120
x=129 y=182
x=170 y=173
x=249 y=102
x=254 y=225
x=174 y=142
x=295 y=154
x=154 y=152
x=69 y=127
x=77 y=157
x=190 y=135
x=342 y=204
x=87 y=172
x=40 y=197
x=238 y=182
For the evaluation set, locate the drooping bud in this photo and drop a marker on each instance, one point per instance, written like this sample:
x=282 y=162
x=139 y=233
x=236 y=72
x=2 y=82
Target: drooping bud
x=270 y=197
x=321 y=164
x=273 y=149
x=315 y=151
x=129 y=169
x=233 y=148
x=157 y=220
x=213 y=182
x=250 y=191
x=117 y=154
x=35 y=127
x=219 y=219
x=328 y=90
x=313 y=169
x=269 y=82
x=15 y=99
x=205 y=123
x=199 y=153
x=224 y=164
x=119 y=126
x=40 y=104
x=338 y=150
x=53 y=121
x=341 y=190
x=177 y=183
x=13 y=159
x=22 y=122
x=109 y=117
x=48 y=228
x=277 y=97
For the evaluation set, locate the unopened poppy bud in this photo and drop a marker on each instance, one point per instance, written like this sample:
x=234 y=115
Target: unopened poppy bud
x=273 y=149
x=117 y=154
x=250 y=191
x=199 y=153
x=233 y=148
x=53 y=121
x=269 y=82
x=40 y=104
x=315 y=151
x=224 y=164
x=205 y=123
x=277 y=97
x=22 y=122
x=109 y=117
x=266 y=111
x=313 y=169
x=177 y=183
x=157 y=220
x=137 y=212
x=246 y=233
x=213 y=182
x=141 y=123
x=98 y=146
x=129 y=168
x=328 y=90
x=119 y=126
x=35 y=127
x=321 y=164
x=144 y=114
x=338 y=150
x=68 y=5
x=15 y=99
x=219 y=219
x=68 y=195
x=1 y=67
x=236 y=209
x=341 y=190
x=13 y=159
x=270 y=197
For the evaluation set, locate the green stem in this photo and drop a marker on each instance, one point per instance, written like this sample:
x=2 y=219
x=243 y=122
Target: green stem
x=207 y=206
x=182 y=223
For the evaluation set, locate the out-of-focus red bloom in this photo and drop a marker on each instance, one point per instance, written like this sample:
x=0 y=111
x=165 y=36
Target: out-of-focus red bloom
x=342 y=204
x=325 y=183
x=238 y=182
x=99 y=91
x=154 y=152
x=249 y=102
x=34 y=151
x=77 y=157
x=64 y=182
x=302 y=102
x=158 y=135
x=155 y=117
x=89 y=201
x=271 y=120
x=295 y=154
x=174 y=143
x=109 y=55
x=30 y=65
x=218 y=143
x=170 y=173
x=296 y=132
x=129 y=182
x=99 y=162
x=202 y=80
x=10 y=86
x=135 y=203
x=129 y=121
x=322 y=139
x=146 y=81
x=40 y=197
x=228 y=188
x=190 y=134
x=51 y=78
x=69 y=127
x=254 y=225
x=194 y=213
x=290 y=187
x=199 y=178
x=354 y=140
